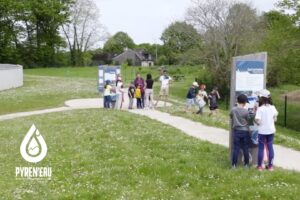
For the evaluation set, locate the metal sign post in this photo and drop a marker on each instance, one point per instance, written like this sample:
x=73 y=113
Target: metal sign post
x=248 y=76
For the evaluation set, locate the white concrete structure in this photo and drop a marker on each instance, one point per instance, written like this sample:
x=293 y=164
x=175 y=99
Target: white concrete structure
x=11 y=76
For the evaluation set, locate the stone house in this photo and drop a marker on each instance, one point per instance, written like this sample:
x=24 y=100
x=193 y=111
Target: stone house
x=134 y=58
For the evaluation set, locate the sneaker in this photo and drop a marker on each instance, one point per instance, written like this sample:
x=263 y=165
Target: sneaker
x=271 y=168
x=233 y=167
x=259 y=168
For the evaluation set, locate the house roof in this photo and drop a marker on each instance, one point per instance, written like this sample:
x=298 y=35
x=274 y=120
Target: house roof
x=142 y=55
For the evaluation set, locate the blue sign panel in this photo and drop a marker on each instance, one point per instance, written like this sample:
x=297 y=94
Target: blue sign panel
x=107 y=73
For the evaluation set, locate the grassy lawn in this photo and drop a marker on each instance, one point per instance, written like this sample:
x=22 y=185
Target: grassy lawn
x=62 y=84
x=41 y=92
x=100 y=154
x=80 y=72
x=293 y=106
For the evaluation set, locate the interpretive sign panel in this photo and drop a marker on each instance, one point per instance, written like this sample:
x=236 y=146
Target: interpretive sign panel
x=107 y=73
x=248 y=76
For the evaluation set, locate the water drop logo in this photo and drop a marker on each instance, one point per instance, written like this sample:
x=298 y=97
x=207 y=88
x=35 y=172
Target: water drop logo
x=33 y=148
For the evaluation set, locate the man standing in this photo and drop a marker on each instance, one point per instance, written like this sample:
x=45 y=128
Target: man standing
x=164 y=86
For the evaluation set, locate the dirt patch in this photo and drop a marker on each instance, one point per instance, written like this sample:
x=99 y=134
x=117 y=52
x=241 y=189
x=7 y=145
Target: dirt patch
x=293 y=96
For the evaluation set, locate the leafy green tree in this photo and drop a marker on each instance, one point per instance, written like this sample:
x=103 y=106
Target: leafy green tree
x=149 y=48
x=282 y=42
x=9 y=31
x=29 y=31
x=291 y=5
x=178 y=38
x=117 y=43
x=46 y=18
x=225 y=27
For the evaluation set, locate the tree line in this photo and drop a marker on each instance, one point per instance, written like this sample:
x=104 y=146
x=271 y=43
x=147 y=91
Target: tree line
x=46 y=33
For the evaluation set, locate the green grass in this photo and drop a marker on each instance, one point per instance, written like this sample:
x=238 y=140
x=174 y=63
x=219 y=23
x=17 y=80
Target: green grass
x=179 y=88
x=80 y=72
x=104 y=154
x=41 y=92
x=62 y=84
x=293 y=107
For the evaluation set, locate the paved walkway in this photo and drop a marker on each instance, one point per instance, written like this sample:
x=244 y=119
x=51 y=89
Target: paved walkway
x=284 y=157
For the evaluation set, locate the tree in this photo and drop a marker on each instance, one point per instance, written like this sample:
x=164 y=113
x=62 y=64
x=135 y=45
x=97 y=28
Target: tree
x=291 y=5
x=8 y=36
x=29 y=32
x=178 y=38
x=117 y=43
x=46 y=18
x=83 y=31
x=225 y=27
x=283 y=46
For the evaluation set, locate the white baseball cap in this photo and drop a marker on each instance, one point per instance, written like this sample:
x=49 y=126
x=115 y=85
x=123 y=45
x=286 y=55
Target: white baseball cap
x=195 y=84
x=265 y=93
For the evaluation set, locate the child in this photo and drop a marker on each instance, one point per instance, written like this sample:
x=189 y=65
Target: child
x=138 y=96
x=213 y=101
x=265 y=118
x=122 y=95
x=191 y=95
x=119 y=92
x=201 y=96
x=131 y=94
x=107 y=91
x=240 y=128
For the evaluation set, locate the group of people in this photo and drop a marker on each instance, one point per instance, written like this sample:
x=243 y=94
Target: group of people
x=114 y=93
x=264 y=118
x=139 y=90
x=198 y=96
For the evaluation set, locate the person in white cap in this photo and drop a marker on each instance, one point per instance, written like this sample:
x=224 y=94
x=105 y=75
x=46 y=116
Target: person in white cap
x=265 y=118
x=119 y=92
x=191 y=95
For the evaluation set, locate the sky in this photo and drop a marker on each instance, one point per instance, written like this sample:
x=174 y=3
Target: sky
x=145 y=20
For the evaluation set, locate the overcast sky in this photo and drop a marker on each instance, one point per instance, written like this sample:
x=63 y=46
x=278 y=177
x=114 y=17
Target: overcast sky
x=145 y=20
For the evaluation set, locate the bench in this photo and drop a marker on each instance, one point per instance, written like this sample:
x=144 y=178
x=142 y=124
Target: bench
x=178 y=77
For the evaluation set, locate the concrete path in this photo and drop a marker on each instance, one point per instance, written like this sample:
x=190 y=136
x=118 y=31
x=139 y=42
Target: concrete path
x=69 y=105
x=284 y=157
x=30 y=113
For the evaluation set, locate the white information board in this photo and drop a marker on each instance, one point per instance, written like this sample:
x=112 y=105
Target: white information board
x=248 y=76
x=107 y=73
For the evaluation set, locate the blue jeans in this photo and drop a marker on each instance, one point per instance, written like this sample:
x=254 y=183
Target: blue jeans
x=107 y=101
x=240 y=140
x=139 y=103
x=265 y=141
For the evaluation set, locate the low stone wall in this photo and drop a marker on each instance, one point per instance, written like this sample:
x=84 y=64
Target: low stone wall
x=11 y=76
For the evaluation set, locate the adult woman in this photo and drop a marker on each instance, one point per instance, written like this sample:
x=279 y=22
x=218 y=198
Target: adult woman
x=149 y=92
